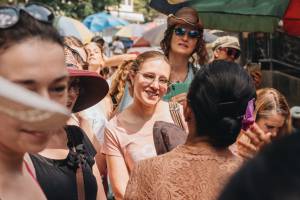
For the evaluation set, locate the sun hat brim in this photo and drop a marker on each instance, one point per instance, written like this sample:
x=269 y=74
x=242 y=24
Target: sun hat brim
x=94 y=88
x=185 y=16
x=173 y=20
x=34 y=112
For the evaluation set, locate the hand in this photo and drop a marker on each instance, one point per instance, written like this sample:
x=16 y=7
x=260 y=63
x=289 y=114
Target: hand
x=179 y=98
x=252 y=141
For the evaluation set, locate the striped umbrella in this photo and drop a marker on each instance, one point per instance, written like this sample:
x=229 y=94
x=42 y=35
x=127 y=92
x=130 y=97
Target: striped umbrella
x=67 y=26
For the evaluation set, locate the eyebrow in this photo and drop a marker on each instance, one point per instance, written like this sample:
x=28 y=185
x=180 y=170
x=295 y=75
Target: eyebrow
x=31 y=82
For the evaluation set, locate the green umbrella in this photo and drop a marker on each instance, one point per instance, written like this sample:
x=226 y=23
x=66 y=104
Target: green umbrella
x=241 y=15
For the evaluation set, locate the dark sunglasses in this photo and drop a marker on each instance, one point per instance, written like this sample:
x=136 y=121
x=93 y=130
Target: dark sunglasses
x=180 y=31
x=231 y=52
x=10 y=15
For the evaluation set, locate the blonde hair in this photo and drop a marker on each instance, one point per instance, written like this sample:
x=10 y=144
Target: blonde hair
x=122 y=75
x=270 y=101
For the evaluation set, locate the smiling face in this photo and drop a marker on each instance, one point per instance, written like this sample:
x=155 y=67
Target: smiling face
x=150 y=83
x=37 y=65
x=183 y=44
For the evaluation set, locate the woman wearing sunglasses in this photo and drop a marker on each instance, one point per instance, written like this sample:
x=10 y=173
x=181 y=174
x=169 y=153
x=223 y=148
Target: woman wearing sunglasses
x=183 y=38
x=31 y=55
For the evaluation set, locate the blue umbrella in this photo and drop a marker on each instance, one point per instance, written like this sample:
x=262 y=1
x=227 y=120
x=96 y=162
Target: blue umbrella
x=101 y=21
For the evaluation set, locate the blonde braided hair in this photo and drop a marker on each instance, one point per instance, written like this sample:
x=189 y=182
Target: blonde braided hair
x=117 y=89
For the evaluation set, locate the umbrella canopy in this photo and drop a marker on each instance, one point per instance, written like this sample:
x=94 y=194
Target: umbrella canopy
x=101 y=21
x=153 y=37
x=168 y=6
x=291 y=19
x=67 y=26
x=240 y=15
x=131 y=31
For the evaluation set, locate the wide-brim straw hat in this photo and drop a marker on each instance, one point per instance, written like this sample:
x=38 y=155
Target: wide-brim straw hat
x=93 y=88
x=185 y=16
x=32 y=111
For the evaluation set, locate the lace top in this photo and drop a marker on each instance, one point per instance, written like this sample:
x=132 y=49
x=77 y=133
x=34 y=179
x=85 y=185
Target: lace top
x=187 y=172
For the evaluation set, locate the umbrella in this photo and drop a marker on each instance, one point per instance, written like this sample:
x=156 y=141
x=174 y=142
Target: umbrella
x=153 y=37
x=291 y=19
x=102 y=20
x=67 y=26
x=168 y=6
x=240 y=15
x=131 y=31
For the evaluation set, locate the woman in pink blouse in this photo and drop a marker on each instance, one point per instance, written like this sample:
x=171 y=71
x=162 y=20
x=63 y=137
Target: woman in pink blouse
x=129 y=134
x=216 y=105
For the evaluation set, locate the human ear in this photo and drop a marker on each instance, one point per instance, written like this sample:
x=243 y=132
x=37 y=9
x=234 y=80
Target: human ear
x=216 y=53
x=187 y=112
x=131 y=77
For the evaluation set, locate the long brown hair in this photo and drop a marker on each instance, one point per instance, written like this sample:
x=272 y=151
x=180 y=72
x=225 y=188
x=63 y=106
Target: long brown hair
x=200 y=49
x=270 y=101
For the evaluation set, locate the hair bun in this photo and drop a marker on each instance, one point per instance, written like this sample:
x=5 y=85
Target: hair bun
x=226 y=131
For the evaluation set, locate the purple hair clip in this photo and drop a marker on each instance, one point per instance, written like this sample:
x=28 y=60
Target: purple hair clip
x=248 y=118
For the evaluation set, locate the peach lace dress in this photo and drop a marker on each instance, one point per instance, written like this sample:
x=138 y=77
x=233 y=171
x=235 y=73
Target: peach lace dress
x=188 y=172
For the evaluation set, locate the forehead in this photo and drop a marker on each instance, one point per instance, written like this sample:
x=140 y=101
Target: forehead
x=156 y=65
x=33 y=59
x=275 y=119
x=92 y=45
x=186 y=26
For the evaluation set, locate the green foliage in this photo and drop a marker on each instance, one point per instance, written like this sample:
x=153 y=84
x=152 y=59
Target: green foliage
x=73 y=8
x=142 y=6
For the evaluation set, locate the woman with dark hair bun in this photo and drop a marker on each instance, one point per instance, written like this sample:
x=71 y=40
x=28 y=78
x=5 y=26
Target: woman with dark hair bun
x=215 y=111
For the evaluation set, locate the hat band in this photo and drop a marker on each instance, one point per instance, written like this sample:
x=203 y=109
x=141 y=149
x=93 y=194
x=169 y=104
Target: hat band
x=182 y=19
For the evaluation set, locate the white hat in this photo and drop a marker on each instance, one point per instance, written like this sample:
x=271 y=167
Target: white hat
x=295 y=112
x=226 y=41
x=32 y=110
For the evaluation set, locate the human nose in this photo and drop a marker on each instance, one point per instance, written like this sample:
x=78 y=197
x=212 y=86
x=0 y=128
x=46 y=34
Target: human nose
x=185 y=36
x=44 y=93
x=155 y=83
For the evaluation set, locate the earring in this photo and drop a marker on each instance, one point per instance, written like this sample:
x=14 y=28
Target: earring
x=187 y=119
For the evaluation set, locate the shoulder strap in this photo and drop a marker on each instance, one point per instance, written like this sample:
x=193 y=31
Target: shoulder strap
x=175 y=114
x=76 y=139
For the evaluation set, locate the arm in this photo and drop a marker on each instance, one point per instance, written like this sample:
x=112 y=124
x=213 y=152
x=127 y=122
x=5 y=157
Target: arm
x=118 y=175
x=116 y=60
x=100 y=193
x=116 y=166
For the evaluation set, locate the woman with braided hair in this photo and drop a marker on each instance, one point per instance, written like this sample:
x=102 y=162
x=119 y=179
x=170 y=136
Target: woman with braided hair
x=129 y=134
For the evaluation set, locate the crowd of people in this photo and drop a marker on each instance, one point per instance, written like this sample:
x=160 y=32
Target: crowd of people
x=210 y=115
